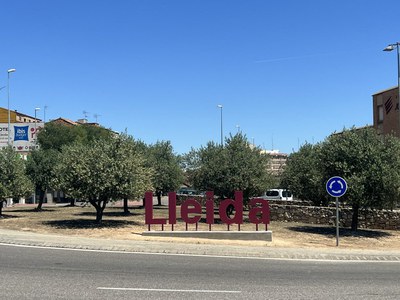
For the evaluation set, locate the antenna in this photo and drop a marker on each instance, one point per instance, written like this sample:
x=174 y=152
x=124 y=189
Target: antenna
x=96 y=116
x=85 y=113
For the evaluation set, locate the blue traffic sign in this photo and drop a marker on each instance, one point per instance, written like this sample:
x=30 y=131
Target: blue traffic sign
x=336 y=186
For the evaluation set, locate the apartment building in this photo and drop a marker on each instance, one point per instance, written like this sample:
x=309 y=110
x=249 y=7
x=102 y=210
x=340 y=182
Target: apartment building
x=22 y=132
x=16 y=117
x=277 y=162
x=386 y=111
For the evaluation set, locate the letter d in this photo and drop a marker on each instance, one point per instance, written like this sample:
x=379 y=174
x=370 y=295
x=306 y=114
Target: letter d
x=237 y=204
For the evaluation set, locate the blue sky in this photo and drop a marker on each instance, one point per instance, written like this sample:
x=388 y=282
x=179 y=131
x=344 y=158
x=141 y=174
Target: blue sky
x=286 y=72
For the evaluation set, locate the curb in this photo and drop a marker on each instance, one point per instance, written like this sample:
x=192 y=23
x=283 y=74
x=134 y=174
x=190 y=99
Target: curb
x=29 y=239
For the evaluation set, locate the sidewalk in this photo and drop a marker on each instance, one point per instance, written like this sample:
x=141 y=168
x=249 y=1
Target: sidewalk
x=27 y=238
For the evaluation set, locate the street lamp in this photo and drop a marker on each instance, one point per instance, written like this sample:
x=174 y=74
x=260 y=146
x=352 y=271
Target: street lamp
x=36 y=109
x=391 y=47
x=8 y=103
x=222 y=136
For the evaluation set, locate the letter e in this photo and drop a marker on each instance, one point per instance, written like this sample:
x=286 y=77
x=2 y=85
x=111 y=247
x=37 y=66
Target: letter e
x=186 y=210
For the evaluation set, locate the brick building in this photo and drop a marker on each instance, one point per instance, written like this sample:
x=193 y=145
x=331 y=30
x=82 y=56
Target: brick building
x=278 y=161
x=386 y=111
x=16 y=117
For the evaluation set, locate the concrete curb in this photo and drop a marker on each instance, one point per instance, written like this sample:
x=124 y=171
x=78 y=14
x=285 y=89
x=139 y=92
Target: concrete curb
x=11 y=237
x=219 y=235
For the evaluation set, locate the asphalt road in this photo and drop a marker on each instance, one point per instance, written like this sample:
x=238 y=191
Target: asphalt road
x=40 y=273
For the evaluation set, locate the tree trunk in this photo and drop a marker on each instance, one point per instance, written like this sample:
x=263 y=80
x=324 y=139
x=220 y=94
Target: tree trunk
x=72 y=202
x=99 y=214
x=99 y=205
x=126 y=210
x=354 y=219
x=40 y=203
x=1 y=208
x=159 y=198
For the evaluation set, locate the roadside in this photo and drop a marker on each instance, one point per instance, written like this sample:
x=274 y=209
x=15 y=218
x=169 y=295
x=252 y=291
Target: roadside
x=73 y=227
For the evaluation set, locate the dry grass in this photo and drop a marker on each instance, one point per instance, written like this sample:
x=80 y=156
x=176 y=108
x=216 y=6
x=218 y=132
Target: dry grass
x=66 y=220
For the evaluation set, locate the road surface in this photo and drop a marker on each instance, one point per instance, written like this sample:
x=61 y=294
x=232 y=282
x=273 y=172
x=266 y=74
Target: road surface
x=42 y=273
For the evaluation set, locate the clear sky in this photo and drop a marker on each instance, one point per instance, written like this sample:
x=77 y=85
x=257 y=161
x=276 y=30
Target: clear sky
x=285 y=72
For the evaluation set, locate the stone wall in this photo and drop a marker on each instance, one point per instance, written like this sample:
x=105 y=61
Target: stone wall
x=374 y=219
x=305 y=212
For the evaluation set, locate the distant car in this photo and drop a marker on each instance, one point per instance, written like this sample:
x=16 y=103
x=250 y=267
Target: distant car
x=186 y=191
x=278 y=194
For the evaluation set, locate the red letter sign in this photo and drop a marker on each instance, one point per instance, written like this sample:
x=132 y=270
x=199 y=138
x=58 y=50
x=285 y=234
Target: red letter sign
x=149 y=210
x=237 y=204
x=186 y=210
x=255 y=210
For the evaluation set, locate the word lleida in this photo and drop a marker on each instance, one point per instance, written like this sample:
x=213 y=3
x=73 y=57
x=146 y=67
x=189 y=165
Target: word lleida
x=191 y=210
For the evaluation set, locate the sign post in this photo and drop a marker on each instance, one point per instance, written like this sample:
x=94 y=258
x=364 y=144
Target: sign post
x=336 y=187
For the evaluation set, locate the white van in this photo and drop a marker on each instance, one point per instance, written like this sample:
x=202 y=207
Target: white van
x=278 y=194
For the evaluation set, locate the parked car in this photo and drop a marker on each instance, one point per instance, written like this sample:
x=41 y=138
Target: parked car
x=277 y=194
x=187 y=191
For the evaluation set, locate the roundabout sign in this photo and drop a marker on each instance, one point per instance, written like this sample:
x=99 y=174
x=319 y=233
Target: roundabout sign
x=336 y=186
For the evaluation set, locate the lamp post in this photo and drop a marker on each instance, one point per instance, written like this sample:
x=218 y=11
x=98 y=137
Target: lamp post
x=391 y=47
x=222 y=136
x=8 y=103
x=36 y=109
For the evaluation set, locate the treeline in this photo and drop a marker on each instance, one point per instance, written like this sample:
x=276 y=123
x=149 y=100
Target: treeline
x=370 y=163
x=96 y=165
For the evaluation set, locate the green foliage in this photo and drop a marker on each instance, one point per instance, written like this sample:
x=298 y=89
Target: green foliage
x=189 y=162
x=105 y=170
x=167 y=175
x=55 y=136
x=40 y=168
x=13 y=181
x=133 y=176
x=368 y=162
x=303 y=176
x=234 y=166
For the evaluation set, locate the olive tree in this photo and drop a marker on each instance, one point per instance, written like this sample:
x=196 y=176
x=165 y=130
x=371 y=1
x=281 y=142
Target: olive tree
x=370 y=164
x=302 y=175
x=13 y=180
x=41 y=169
x=234 y=166
x=168 y=175
x=104 y=171
x=54 y=135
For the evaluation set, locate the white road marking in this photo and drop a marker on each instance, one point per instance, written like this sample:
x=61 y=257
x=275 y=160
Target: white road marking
x=168 y=290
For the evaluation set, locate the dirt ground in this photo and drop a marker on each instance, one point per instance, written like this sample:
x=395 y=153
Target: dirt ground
x=78 y=220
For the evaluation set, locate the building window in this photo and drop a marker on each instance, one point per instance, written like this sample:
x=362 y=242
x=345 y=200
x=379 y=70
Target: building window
x=380 y=113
